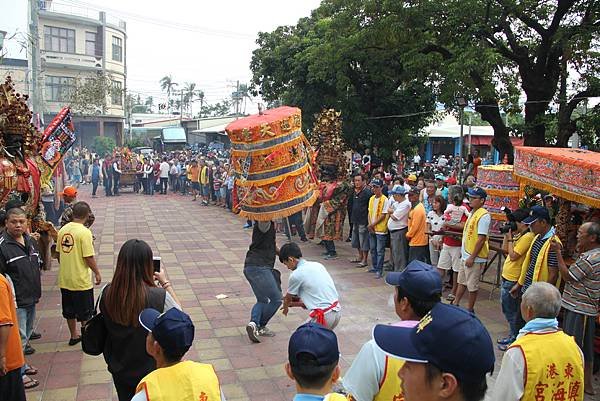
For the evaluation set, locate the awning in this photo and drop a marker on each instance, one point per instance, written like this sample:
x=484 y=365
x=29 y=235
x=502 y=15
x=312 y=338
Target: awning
x=487 y=140
x=573 y=174
x=174 y=135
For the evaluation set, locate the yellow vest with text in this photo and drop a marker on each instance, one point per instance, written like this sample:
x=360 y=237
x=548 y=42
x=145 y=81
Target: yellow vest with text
x=471 y=235
x=185 y=381
x=381 y=227
x=540 y=270
x=389 y=388
x=553 y=366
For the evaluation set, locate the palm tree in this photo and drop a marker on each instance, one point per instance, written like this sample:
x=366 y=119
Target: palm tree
x=244 y=94
x=149 y=103
x=167 y=84
x=188 y=95
x=200 y=96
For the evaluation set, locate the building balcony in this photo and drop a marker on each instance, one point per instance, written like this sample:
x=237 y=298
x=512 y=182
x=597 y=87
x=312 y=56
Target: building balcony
x=73 y=60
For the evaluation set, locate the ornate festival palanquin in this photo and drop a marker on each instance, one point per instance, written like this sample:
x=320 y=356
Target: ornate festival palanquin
x=501 y=188
x=272 y=162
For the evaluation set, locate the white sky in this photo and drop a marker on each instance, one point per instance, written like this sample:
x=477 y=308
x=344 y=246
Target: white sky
x=203 y=41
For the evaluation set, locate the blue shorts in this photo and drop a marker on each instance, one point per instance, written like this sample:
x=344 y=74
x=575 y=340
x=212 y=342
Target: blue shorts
x=205 y=190
x=196 y=186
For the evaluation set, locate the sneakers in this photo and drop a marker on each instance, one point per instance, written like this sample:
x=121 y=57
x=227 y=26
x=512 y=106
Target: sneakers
x=265 y=332
x=330 y=256
x=252 y=331
x=248 y=225
x=450 y=297
x=505 y=340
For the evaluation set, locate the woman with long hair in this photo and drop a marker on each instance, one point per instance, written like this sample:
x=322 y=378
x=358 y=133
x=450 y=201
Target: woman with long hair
x=132 y=289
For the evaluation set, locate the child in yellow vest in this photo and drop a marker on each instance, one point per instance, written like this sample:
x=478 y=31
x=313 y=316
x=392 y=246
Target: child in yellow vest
x=170 y=336
x=313 y=357
x=378 y=217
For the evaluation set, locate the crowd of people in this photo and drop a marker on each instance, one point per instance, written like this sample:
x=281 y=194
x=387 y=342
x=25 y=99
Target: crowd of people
x=436 y=230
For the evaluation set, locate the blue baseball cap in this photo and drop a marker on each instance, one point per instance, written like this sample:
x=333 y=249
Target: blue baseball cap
x=537 y=212
x=479 y=192
x=173 y=330
x=419 y=280
x=451 y=338
x=398 y=190
x=315 y=340
x=440 y=177
x=376 y=182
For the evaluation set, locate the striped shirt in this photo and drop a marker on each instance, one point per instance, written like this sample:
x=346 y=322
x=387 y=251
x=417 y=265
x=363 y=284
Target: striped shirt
x=535 y=251
x=582 y=294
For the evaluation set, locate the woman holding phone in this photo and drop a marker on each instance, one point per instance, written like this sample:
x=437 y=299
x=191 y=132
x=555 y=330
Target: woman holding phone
x=133 y=288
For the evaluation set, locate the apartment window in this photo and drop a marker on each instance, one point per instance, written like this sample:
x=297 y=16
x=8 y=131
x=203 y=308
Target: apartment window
x=90 y=43
x=59 y=39
x=117 y=49
x=117 y=93
x=58 y=89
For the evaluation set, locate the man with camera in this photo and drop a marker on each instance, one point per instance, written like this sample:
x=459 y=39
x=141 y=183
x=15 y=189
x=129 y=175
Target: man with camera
x=517 y=240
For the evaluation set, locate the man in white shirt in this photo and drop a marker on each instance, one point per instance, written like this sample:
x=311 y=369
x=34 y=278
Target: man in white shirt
x=416 y=161
x=442 y=161
x=164 y=175
x=116 y=176
x=312 y=284
x=397 y=226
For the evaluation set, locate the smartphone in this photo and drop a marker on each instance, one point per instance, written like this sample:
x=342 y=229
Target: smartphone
x=156 y=262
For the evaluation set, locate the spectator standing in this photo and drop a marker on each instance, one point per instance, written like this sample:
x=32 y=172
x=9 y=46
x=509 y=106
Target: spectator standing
x=155 y=178
x=164 y=175
x=132 y=289
x=427 y=196
x=418 y=244
x=173 y=175
x=476 y=163
x=170 y=336
x=116 y=176
x=543 y=360
x=11 y=351
x=204 y=179
x=360 y=219
x=69 y=195
x=76 y=250
x=475 y=248
x=435 y=224
x=373 y=374
x=146 y=177
x=107 y=174
x=440 y=187
x=447 y=355
x=582 y=293
x=398 y=227
x=76 y=173
x=310 y=282
x=194 y=177
x=378 y=217
x=96 y=175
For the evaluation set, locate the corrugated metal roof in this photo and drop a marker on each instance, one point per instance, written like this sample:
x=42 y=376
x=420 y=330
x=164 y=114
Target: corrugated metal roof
x=171 y=135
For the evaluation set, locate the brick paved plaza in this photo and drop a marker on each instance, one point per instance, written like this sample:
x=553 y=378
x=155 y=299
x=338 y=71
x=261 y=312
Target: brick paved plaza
x=202 y=249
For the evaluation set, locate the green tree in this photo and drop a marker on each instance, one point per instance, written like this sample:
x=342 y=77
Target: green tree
x=167 y=84
x=103 y=145
x=88 y=94
x=219 y=109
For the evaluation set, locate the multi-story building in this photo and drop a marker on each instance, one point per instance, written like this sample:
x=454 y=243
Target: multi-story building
x=75 y=44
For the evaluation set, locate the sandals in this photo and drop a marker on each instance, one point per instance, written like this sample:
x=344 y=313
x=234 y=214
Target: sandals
x=355 y=261
x=30 y=371
x=74 y=341
x=29 y=383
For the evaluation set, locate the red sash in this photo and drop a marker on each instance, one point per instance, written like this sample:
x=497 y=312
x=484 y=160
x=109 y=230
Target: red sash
x=319 y=314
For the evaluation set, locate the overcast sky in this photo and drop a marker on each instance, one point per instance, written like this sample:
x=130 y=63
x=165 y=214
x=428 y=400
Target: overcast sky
x=204 y=41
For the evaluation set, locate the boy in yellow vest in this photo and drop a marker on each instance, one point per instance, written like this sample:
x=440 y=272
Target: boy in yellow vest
x=170 y=336
x=447 y=355
x=475 y=248
x=313 y=357
x=373 y=375
x=543 y=363
x=378 y=217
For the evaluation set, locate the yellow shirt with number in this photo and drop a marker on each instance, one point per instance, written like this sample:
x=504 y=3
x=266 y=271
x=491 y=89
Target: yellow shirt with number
x=74 y=244
x=512 y=268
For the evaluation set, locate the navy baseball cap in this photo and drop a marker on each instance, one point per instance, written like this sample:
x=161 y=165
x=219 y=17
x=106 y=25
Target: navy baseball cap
x=376 y=182
x=537 y=212
x=451 y=338
x=173 y=330
x=398 y=190
x=315 y=340
x=479 y=192
x=419 y=280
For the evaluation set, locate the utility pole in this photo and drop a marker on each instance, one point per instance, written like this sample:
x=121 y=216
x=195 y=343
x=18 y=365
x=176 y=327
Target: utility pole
x=181 y=108
x=237 y=99
x=35 y=92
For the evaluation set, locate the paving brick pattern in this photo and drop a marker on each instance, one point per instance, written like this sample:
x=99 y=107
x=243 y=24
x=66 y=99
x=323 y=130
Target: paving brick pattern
x=203 y=249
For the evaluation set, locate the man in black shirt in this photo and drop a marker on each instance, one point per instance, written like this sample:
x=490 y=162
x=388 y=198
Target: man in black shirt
x=360 y=219
x=263 y=278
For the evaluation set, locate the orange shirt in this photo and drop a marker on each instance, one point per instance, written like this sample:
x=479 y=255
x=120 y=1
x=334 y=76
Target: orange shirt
x=417 y=226
x=194 y=172
x=8 y=317
x=476 y=164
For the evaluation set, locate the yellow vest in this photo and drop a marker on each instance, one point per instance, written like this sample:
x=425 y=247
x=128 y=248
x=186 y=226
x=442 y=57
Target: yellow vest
x=470 y=234
x=185 y=381
x=553 y=365
x=381 y=227
x=540 y=270
x=389 y=388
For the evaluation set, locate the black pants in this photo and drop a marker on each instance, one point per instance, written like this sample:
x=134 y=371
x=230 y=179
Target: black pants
x=94 y=186
x=295 y=220
x=116 y=182
x=329 y=246
x=125 y=387
x=145 y=186
x=164 y=182
x=108 y=185
x=11 y=386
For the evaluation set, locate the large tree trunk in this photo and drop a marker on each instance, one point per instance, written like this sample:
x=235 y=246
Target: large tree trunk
x=501 y=139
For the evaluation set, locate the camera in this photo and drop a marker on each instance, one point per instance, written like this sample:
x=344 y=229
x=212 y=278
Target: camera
x=511 y=224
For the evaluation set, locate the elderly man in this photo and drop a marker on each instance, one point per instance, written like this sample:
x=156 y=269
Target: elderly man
x=447 y=355
x=544 y=362
x=582 y=292
x=378 y=217
x=398 y=226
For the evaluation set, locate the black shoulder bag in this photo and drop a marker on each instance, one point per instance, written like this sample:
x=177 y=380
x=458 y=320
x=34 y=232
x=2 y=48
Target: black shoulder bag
x=94 y=333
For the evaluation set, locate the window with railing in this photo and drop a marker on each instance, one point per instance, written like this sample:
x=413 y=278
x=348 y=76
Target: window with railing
x=59 y=39
x=90 y=43
x=116 y=97
x=58 y=89
x=117 y=49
